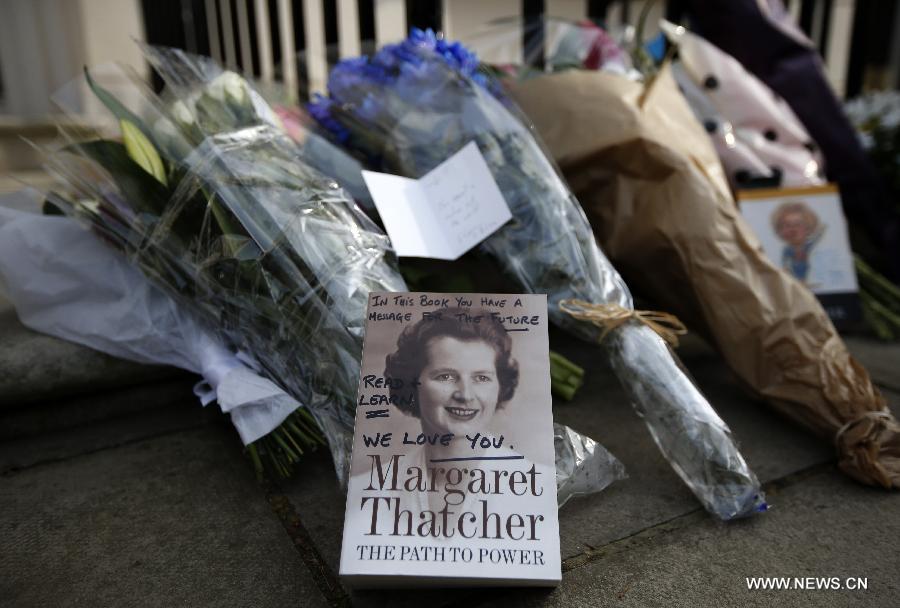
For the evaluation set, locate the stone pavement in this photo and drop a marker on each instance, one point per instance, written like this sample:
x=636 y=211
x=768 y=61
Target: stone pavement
x=117 y=488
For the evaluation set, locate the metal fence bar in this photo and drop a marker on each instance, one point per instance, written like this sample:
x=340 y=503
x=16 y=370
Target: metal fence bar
x=893 y=53
x=189 y=27
x=244 y=36
x=466 y=20
x=228 y=34
x=566 y=9
x=390 y=21
x=286 y=37
x=348 y=28
x=212 y=28
x=837 y=56
x=615 y=16
x=316 y=59
x=817 y=33
x=794 y=10
x=264 y=40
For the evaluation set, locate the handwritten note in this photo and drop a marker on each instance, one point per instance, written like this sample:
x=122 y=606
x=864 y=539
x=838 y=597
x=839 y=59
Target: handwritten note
x=443 y=214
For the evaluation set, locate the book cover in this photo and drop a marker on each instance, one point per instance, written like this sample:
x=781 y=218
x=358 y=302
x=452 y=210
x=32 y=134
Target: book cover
x=452 y=478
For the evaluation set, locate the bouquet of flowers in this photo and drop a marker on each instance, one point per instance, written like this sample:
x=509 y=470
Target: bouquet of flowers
x=655 y=191
x=876 y=117
x=265 y=268
x=412 y=105
x=209 y=198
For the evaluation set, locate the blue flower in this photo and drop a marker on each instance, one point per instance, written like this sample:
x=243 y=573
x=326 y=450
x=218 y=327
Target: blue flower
x=417 y=71
x=320 y=109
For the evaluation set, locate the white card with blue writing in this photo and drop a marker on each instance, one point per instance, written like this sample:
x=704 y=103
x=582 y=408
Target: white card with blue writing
x=452 y=478
x=445 y=213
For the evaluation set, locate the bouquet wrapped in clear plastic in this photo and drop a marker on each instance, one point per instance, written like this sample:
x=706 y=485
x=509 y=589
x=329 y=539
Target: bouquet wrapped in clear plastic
x=210 y=199
x=411 y=106
x=64 y=281
x=119 y=312
x=265 y=264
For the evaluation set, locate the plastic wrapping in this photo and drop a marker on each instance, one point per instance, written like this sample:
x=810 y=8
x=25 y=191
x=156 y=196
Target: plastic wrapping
x=411 y=106
x=210 y=198
x=110 y=306
x=525 y=47
x=265 y=263
x=583 y=466
x=64 y=282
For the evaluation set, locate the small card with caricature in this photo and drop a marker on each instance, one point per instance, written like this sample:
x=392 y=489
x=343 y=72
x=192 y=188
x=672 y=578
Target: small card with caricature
x=803 y=231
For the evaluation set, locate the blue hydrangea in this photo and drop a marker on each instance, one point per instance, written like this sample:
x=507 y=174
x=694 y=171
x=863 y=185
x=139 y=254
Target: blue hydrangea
x=320 y=110
x=407 y=69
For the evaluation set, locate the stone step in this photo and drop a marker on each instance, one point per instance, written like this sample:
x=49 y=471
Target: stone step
x=881 y=359
x=173 y=520
x=36 y=367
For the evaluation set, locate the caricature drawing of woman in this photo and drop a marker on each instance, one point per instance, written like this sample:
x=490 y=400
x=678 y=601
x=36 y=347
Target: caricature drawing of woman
x=800 y=229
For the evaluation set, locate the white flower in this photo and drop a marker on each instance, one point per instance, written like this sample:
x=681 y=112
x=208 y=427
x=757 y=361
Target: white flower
x=228 y=86
x=865 y=139
x=881 y=109
x=170 y=138
x=181 y=113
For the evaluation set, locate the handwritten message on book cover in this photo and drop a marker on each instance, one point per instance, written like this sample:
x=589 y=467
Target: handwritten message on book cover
x=452 y=478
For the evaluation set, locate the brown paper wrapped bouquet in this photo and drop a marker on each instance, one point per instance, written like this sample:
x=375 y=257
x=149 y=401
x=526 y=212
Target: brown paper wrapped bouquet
x=657 y=198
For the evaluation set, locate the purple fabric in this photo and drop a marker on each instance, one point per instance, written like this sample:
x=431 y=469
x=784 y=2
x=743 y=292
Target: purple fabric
x=792 y=68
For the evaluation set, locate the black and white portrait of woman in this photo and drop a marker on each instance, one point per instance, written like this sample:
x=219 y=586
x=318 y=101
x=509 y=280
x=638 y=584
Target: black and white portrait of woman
x=455 y=377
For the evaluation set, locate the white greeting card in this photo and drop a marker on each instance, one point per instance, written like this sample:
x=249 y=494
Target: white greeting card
x=452 y=478
x=445 y=213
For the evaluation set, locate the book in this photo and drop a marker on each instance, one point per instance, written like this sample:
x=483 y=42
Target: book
x=452 y=478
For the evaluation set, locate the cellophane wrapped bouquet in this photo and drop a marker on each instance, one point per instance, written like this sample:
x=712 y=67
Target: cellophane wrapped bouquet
x=412 y=105
x=209 y=198
x=265 y=264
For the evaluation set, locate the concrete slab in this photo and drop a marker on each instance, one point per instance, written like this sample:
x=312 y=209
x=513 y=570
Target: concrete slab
x=319 y=502
x=773 y=446
x=38 y=433
x=176 y=521
x=36 y=367
x=882 y=359
x=33 y=419
x=826 y=526
x=653 y=493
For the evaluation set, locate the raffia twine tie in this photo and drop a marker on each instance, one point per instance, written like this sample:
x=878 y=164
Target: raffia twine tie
x=876 y=415
x=610 y=316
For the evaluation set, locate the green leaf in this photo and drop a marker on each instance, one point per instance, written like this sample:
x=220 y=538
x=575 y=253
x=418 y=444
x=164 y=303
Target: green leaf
x=115 y=106
x=140 y=190
x=142 y=151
